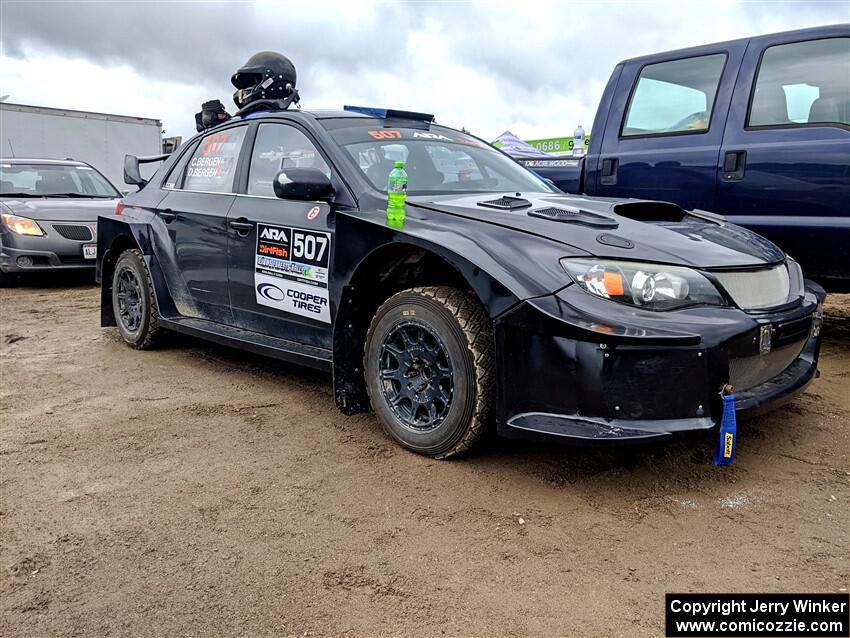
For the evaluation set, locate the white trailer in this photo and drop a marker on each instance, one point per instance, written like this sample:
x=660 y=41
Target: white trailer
x=100 y=139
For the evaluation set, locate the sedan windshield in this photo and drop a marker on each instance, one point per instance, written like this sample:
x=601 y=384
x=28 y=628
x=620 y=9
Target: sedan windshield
x=53 y=180
x=437 y=160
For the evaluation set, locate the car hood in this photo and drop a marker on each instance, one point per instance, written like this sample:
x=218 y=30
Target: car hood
x=620 y=228
x=60 y=208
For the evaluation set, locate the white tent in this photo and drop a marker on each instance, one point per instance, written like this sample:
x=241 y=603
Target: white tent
x=515 y=147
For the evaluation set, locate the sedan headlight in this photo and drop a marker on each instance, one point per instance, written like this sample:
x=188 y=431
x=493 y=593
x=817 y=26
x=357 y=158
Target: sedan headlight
x=21 y=225
x=650 y=286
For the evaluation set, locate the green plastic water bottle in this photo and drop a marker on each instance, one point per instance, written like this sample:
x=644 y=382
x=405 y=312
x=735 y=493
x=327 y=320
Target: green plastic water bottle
x=396 y=193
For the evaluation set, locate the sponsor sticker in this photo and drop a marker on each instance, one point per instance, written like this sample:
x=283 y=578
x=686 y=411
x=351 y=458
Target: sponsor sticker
x=291 y=270
x=313 y=213
x=293 y=297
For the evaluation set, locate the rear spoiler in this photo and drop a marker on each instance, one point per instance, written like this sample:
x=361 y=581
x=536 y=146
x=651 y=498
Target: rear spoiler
x=132 y=174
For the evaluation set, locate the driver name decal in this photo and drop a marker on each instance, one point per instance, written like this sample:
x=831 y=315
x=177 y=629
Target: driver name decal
x=291 y=270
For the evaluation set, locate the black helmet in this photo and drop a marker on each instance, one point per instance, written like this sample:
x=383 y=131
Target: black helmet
x=265 y=76
x=212 y=114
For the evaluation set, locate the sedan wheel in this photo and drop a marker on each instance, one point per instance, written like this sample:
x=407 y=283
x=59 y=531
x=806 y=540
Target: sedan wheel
x=428 y=362
x=133 y=301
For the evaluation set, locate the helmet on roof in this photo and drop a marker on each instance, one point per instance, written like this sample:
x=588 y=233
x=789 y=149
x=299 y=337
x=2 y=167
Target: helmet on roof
x=212 y=114
x=265 y=76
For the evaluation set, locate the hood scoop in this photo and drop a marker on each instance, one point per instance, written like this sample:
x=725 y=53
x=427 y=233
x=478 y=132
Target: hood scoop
x=506 y=203
x=574 y=216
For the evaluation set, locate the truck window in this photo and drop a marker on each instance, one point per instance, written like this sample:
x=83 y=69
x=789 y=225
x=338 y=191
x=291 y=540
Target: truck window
x=803 y=83
x=213 y=165
x=280 y=146
x=674 y=97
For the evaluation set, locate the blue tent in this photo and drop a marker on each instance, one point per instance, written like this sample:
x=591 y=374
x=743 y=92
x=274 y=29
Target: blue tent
x=515 y=147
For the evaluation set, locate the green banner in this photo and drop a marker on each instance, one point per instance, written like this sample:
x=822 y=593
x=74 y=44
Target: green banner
x=557 y=144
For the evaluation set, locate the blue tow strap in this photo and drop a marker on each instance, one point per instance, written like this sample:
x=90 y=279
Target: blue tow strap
x=725 y=452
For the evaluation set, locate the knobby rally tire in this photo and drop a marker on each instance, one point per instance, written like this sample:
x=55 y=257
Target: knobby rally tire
x=448 y=321
x=141 y=331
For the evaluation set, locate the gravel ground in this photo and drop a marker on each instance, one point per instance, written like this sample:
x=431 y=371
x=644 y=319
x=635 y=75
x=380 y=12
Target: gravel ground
x=197 y=490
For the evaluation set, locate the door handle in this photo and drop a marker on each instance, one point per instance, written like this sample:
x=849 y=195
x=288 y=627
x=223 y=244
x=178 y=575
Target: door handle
x=167 y=215
x=242 y=226
x=734 y=164
x=609 y=171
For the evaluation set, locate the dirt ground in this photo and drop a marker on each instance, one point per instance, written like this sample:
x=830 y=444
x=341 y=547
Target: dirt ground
x=197 y=490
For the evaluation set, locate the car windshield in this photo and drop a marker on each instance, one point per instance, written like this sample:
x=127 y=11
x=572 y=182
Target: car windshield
x=53 y=180
x=437 y=160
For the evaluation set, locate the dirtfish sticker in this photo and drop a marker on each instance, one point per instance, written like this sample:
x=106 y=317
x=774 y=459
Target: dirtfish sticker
x=291 y=270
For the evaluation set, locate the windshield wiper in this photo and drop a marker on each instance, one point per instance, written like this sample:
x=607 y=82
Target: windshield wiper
x=20 y=195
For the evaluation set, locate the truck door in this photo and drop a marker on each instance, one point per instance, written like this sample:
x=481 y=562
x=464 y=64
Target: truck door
x=663 y=133
x=192 y=248
x=279 y=251
x=784 y=167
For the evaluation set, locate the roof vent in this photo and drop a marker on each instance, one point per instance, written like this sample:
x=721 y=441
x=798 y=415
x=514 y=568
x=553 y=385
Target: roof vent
x=506 y=203
x=574 y=216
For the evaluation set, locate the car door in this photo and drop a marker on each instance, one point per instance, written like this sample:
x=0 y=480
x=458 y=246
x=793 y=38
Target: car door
x=194 y=220
x=663 y=134
x=280 y=251
x=785 y=161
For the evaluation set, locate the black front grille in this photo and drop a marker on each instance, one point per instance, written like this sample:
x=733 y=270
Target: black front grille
x=576 y=216
x=74 y=231
x=748 y=372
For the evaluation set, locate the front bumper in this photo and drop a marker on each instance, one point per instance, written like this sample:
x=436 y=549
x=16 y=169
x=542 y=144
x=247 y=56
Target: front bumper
x=565 y=373
x=48 y=252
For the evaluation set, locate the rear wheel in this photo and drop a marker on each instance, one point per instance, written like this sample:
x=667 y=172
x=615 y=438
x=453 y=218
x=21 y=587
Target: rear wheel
x=429 y=369
x=133 y=302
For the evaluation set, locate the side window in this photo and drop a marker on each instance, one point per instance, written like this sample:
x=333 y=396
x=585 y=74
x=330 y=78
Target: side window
x=175 y=177
x=213 y=164
x=280 y=146
x=803 y=83
x=675 y=96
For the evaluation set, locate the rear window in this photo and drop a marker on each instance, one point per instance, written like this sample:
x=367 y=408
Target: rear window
x=674 y=97
x=213 y=165
x=803 y=83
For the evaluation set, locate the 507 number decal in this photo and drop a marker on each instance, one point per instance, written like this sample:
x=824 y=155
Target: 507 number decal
x=309 y=247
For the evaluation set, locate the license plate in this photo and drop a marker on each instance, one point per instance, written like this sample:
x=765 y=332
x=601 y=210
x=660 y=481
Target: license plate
x=90 y=251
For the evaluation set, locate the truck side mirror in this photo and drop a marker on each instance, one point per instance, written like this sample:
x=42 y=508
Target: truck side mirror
x=309 y=184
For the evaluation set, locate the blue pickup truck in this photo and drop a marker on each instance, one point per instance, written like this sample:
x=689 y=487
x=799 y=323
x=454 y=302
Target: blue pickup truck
x=757 y=130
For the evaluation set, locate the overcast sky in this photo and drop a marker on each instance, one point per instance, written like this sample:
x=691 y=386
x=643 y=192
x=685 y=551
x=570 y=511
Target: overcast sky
x=536 y=68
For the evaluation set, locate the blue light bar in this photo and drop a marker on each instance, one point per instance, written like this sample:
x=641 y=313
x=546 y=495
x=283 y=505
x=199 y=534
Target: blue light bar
x=389 y=113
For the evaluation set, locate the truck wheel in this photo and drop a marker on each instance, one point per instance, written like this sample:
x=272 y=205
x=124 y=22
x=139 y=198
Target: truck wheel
x=428 y=362
x=133 y=302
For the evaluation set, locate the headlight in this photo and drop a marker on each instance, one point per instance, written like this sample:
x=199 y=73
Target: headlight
x=650 y=286
x=21 y=225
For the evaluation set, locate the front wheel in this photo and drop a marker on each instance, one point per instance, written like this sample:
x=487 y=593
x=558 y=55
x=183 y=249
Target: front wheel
x=429 y=369
x=133 y=301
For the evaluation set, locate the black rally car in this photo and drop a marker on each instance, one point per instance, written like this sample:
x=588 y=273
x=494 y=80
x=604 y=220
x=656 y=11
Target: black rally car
x=497 y=300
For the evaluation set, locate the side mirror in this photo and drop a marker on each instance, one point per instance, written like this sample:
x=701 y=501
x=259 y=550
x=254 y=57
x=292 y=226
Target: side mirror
x=308 y=184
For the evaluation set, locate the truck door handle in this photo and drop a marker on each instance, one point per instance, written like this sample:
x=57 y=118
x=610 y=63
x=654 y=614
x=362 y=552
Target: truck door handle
x=167 y=215
x=609 y=171
x=734 y=163
x=242 y=226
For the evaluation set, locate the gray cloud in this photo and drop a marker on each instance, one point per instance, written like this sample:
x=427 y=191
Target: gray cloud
x=522 y=55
